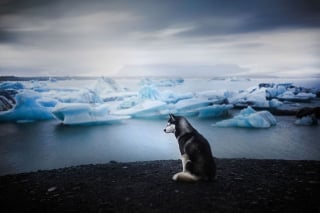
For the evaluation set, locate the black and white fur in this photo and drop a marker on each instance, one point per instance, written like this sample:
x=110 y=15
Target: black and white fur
x=197 y=160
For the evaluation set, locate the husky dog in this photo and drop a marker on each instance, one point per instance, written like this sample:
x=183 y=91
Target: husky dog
x=197 y=160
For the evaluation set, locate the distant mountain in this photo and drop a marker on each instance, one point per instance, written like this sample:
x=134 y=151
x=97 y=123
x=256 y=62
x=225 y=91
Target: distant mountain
x=181 y=70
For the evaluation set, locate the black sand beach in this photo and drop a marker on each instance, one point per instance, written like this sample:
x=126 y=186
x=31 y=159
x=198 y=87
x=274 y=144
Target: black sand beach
x=242 y=185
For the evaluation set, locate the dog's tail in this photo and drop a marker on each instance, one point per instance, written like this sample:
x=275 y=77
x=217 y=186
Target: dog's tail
x=186 y=177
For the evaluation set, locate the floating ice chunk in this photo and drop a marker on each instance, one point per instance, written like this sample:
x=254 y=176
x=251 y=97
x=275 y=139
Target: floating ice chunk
x=172 y=97
x=26 y=109
x=275 y=103
x=249 y=118
x=104 y=88
x=255 y=97
x=304 y=94
x=104 y=84
x=129 y=103
x=215 y=111
x=216 y=94
x=275 y=91
x=84 y=114
x=258 y=98
x=307 y=121
x=119 y=96
x=300 y=97
x=11 y=86
x=247 y=111
x=145 y=109
x=190 y=107
x=162 y=82
x=149 y=92
x=48 y=102
x=190 y=104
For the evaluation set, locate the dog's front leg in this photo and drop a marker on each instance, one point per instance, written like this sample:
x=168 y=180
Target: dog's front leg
x=185 y=159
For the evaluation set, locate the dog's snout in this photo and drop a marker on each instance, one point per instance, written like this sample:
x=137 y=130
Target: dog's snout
x=164 y=130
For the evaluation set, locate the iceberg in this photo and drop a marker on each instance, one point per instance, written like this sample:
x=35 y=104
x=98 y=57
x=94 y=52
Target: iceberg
x=145 y=109
x=149 y=93
x=27 y=109
x=275 y=91
x=190 y=107
x=215 y=111
x=308 y=120
x=162 y=82
x=216 y=94
x=249 y=118
x=275 y=103
x=300 y=97
x=84 y=114
x=48 y=102
x=105 y=90
x=172 y=97
x=255 y=97
x=11 y=86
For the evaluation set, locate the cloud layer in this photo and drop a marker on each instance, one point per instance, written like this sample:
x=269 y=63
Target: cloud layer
x=275 y=37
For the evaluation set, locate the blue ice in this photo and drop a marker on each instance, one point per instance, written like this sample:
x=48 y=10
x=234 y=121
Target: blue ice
x=84 y=114
x=215 y=111
x=249 y=118
x=27 y=109
x=11 y=85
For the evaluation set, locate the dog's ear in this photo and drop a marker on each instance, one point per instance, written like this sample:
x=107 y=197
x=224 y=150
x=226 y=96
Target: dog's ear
x=172 y=117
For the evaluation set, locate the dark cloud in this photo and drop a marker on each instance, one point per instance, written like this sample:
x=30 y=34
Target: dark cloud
x=121 y=32
x=256 y=15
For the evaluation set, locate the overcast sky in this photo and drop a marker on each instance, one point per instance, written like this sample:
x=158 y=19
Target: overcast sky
x=133 y=37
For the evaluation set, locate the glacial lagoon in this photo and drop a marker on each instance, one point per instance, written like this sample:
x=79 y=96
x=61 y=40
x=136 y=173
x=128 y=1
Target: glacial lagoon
x=46 y=144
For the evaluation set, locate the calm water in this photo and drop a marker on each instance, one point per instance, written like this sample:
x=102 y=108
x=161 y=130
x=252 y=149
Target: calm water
x=46 y=145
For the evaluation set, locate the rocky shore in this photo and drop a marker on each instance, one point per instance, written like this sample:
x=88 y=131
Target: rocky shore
x=242 y=185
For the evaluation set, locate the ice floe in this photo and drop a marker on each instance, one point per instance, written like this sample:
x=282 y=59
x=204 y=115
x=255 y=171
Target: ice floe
x=249 y=118
x=307 y=121
x=215 y=111
x=27 y=108
x=84 y=114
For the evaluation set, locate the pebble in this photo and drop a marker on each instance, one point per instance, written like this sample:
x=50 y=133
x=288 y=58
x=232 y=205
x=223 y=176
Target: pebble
x=51 y=189
x=238 y=178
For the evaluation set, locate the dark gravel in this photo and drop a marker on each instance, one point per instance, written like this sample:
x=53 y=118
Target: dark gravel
x=242 y=185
